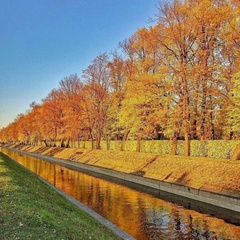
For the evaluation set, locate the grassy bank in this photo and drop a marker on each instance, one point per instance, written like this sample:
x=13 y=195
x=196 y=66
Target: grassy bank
x=218 y=175
x=29 y=209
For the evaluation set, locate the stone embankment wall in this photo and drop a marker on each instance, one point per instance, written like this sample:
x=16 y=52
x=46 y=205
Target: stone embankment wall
x=213 y=181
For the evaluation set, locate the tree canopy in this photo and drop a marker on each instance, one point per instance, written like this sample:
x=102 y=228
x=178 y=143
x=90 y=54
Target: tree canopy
x=179 y=79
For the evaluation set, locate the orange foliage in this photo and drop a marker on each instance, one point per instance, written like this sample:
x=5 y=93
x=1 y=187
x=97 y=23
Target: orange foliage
x=176 y=80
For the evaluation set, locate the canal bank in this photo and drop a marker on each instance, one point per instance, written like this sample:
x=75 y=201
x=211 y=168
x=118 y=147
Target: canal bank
x=144 y=216
x=30 y=209
x=136 y=168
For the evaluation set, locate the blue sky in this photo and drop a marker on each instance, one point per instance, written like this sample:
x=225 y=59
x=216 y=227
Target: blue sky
x=42 y=41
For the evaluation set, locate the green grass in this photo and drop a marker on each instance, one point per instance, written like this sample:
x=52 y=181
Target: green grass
x=29 y=209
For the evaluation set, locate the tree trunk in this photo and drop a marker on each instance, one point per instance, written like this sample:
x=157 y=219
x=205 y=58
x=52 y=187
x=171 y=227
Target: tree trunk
x=45 y=142
x=124 y=139
x=212 y=130
x=92 y=142
x=194 y=129
x=203 y=109
x=108 y=142
x=91 y=136
x=187 y=145
x=85 y=140
x=138 y=148
x=62 y=142
x=98 y=142
x=236 y=153
x=186 y=115
x=68 y=143
x=174 y=146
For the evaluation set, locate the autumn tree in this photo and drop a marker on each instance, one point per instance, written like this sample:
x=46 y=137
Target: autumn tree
x=177 y=36
x=97 y=85
x=178 y=79
x=71 y=89
x=144 y=95
x=34 y=123
x=117 y=82
x=53 y=118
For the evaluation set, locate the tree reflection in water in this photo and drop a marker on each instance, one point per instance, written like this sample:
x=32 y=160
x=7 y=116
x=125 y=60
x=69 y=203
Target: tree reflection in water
x=139 y=214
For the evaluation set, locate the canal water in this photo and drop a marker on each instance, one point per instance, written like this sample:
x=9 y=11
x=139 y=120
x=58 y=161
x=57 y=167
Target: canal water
x=139 y=214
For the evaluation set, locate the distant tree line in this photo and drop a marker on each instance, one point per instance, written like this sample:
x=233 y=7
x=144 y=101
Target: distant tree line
x=179 y=79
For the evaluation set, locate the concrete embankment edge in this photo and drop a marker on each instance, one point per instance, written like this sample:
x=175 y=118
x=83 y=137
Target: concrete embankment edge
x=217 y=199
x=120 y=233
x=93 y=214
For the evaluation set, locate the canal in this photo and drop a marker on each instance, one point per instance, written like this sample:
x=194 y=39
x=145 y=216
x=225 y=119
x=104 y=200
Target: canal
x=142 y=215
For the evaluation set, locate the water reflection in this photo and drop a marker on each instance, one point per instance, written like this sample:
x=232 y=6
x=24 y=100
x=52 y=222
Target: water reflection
x=139 y=214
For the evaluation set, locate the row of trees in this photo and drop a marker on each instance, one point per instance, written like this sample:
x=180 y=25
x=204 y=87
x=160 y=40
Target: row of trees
x=179 y=79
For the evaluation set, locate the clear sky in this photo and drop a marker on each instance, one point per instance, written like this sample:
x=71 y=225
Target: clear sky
x=43 y=41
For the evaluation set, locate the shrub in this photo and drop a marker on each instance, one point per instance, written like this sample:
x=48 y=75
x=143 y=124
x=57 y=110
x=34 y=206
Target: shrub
x=207 y=148
x=199 y=148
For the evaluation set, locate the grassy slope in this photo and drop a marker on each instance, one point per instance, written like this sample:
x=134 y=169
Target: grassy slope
x=218 y=175
x=29 y=209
